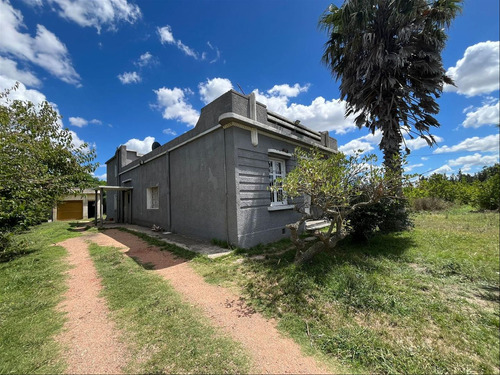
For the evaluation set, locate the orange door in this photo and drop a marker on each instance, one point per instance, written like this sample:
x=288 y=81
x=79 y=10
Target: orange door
x=70 y=210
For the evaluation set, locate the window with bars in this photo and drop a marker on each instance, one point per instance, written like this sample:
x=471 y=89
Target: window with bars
x=153 y=198
x=277 y=170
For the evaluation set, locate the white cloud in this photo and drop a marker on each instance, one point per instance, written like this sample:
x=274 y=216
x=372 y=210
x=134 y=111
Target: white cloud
x=320 y=115
x=22 y=93
x=488 y=114
x=287 y=90
x=467 y=162
x=213 y=88
x=364 y=143
x=142 y=147
x=409 y=168
x=129 y=77
x=478 y=71
x=169 y=131
x=145 y=59
x=166 y=36
x=175 y=107
x=8 y=69
x=489 y=143
x=443 y=169
x=419 y=142
x=97 y=13
x=102 y=177
x=44 y=50
x=79 y=122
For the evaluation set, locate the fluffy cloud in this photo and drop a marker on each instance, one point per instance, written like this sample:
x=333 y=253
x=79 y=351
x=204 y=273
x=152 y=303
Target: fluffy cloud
x=287 y=90
x=166 y=36
x=97 y=13
x=8 y=69
x=486 y=144
x=467 y=162
x=129 y=77
x=478 y=71
x=418 y=143
x=488 y=114
x=213 y=88
x=80 y=122
x=22 y=93
x=44 y=50
x=320 y=115
x=142 y=147
x=443 y=169
x=174 y=106
x=364 y=143
x=367 y=143
x=145 y=59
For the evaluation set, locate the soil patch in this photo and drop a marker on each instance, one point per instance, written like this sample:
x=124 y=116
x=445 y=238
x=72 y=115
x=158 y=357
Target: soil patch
x=90 y=337
x=272 y=353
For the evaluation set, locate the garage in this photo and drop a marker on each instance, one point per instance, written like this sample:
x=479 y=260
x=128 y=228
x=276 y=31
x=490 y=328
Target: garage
x=70 y=210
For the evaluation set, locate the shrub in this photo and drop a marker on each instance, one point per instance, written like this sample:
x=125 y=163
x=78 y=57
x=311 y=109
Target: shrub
x=430 y=204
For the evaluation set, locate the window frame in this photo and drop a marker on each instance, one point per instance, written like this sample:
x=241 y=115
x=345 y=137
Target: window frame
x=274 y=195
x=150 y=201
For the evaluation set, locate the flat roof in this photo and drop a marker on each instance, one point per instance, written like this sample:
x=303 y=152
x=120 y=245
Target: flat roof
x=116 y=188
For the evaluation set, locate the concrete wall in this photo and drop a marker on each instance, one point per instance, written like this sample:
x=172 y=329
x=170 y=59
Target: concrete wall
x=198 y=187
x=151 y=174
x=255 y=222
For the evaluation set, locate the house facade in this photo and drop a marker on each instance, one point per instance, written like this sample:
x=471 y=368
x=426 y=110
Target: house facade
x=213 y=181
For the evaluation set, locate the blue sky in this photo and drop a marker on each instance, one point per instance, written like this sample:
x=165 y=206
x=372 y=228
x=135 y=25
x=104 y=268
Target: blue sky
x=134 y=72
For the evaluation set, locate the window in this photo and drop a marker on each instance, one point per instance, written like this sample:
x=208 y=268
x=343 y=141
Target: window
x=153 y=198
x=277 y=170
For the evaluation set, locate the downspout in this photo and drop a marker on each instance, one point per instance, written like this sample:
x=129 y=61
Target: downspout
x=169 y=195
x=225 y=186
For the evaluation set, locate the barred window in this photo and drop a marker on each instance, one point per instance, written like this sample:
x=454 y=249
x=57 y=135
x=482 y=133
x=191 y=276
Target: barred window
x=153 y=198
x=277 y=170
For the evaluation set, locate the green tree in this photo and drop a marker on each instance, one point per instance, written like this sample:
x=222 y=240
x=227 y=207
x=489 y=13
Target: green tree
x=387 y=54
x=38 y=162
x=335 y=186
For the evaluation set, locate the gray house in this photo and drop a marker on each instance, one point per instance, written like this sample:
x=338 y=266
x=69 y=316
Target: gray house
x=213 y=181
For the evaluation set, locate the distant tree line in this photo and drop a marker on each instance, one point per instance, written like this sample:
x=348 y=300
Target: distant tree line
x=480 y=190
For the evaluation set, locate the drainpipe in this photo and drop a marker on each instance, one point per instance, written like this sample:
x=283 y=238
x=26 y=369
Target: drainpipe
x=225 y=185
x=169 y=196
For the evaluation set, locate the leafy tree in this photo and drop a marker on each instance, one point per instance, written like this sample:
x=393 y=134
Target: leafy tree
x=38 y=162
x=387 y=54
x=336 y=185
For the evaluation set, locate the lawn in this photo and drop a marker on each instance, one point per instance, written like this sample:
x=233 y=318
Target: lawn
x=424 y=301
x=31 y=286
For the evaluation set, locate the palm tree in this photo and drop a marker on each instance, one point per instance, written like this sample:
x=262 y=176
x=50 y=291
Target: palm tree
x=387 y=54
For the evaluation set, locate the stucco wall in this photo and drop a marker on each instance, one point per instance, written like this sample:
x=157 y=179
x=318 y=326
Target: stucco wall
x=255 y=223
x=198 y=187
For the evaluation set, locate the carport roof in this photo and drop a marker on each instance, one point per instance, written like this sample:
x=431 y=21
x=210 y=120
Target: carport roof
x=115 y=188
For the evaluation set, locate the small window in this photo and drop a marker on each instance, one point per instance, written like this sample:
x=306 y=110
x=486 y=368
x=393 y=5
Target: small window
x=153 y=198
x=277 y=170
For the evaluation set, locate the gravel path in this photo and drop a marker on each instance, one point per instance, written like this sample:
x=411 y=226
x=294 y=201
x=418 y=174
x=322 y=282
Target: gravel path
x=89 y=336
x=271 y=352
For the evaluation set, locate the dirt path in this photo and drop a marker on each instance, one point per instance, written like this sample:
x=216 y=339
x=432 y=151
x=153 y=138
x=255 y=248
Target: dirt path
x=271 y=352
x=91 y=338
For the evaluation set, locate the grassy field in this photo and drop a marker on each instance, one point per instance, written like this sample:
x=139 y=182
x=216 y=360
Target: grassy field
x=424 y=301
x=163 y=333
x=31 y=286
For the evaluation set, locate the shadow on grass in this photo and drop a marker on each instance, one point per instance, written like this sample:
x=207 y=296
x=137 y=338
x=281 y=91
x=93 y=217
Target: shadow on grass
x=78 y=227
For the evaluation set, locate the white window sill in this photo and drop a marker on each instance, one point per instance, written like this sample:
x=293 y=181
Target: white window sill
x=281 y=207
